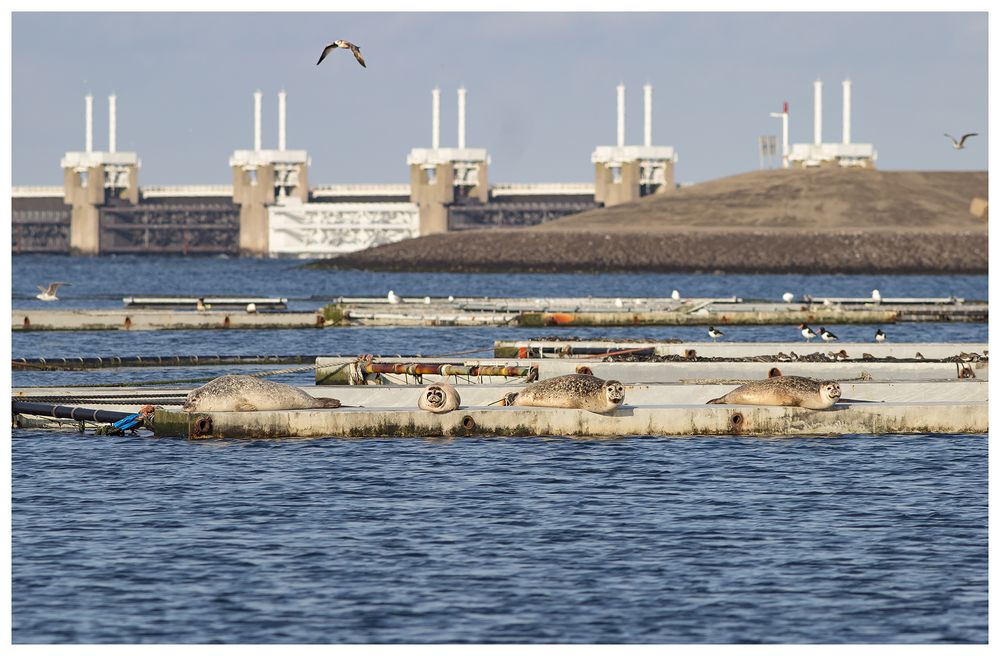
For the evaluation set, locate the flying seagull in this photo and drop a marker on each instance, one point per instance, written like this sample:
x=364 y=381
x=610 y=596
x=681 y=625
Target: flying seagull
x=340 y=43
x=49 y=293
x=959 y=144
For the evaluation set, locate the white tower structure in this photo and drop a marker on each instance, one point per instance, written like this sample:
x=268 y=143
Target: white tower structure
x=624 y=173
x=281 y=120
x=817 y=112
x=461 y=117
x=846 y=153
x=847 y=112
x=112 y=122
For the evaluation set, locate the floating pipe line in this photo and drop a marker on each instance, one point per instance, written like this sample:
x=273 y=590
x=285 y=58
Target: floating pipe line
x=113 y=361
x=421 y=368
x=66 y=412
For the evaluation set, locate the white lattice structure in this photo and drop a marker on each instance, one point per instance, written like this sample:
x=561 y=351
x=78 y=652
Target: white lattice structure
x=328 y=229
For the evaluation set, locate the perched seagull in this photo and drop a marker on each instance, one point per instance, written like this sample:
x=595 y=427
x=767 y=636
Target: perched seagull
x=806 y=331
x=393 y=297
x=827 y=335
x=251 y=308
x=427 y=300
x=713 y=333
x=340 y=43
x=959 y=144
x=49 y=293
x=451 y=299
x=618 y=302
x=879 y=336
x=788 y=297
x=676 y=295
x=876 y=296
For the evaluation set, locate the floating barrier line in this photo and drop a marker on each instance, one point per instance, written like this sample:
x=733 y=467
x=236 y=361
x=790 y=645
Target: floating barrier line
x=204 y=379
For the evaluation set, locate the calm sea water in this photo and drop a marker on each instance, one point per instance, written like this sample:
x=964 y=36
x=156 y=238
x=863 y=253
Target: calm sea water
x=699 y=539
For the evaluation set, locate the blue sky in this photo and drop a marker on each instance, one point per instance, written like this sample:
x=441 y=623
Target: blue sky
x=541 y=88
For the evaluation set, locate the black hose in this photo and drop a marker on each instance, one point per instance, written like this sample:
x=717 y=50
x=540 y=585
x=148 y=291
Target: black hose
x=67 y=412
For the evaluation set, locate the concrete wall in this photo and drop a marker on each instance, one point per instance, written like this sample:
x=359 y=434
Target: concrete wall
x=434 y=197
x=253 y=199
x=609 y=192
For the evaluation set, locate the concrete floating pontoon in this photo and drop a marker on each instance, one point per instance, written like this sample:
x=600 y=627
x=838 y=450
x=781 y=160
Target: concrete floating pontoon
x=211 y=301
x=405 y=396
x=548 y=348
x=45 y=319
x=337 y=371
x=938 y=417
x=501 y=312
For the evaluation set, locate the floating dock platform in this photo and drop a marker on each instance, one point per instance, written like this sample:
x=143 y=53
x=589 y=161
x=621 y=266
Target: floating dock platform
x=817 y=349
x=888 y=395
x=539 y=312
x=649 y=410
x=46 y=319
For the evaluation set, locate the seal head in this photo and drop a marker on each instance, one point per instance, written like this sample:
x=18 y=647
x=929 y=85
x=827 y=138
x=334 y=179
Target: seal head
x=439 y=398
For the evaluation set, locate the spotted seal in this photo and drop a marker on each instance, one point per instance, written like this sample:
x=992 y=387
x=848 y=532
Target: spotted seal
x=785 y=390
x=439 y=398
x=581 y=391
x=248 y=393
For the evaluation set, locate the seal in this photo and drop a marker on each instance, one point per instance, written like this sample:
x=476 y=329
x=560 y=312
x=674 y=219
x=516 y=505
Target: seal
x=580 y=391
x=439 y=398
x=785 y=390
x=249 y=393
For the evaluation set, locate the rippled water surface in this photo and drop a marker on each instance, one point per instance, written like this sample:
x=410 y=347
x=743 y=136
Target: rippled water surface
x=698 y=539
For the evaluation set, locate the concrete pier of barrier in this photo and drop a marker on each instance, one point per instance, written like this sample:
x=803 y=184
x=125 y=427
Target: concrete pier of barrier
x=873 y=419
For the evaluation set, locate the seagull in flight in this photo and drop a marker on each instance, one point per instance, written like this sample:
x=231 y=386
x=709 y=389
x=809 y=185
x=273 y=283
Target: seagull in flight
x=49 y=293
x=340 y=43
x=959 y=144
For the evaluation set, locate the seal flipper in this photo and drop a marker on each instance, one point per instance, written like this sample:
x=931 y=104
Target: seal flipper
x=720 y=400
x=328 y=403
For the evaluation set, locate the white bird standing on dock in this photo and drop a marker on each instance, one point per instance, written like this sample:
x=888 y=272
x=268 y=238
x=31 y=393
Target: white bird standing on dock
x=713 y=333
x=879 y=336
x=806 y=331
x=251 y=308
x=347 y=45
x=827 y=335
x=676 y=295
x=959 y=144
x=393 y=297
x=49 y=293
x=876 y=296
x=618 y=302
x=788 y=297
x=427 y=300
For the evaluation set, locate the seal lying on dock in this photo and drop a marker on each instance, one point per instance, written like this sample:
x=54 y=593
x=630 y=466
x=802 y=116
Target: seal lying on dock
x=249 y=393
x=785 y=390
x=571 y=391
x=439 y=398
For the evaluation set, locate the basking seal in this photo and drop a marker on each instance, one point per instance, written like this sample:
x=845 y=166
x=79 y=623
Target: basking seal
x=571 y=391
x=439 y=398
x=249 y=393
x=785 y=390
